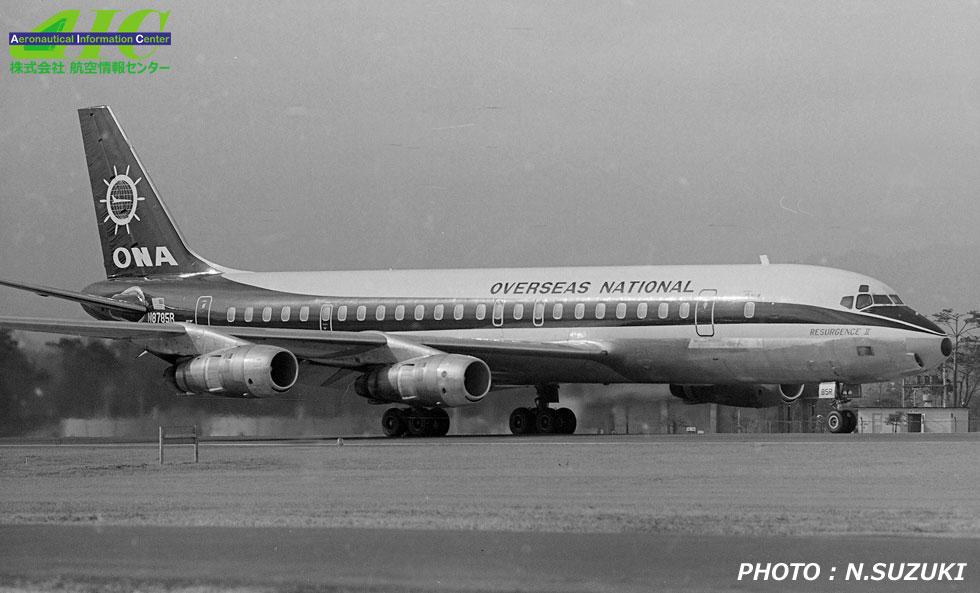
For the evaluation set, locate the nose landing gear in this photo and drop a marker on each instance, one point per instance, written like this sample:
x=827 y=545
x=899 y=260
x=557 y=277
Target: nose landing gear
x=841 y=420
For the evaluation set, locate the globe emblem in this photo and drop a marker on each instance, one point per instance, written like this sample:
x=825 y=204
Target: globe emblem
x=121 y=198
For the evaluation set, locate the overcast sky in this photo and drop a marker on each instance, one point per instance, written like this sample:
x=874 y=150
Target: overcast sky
x=303 y=135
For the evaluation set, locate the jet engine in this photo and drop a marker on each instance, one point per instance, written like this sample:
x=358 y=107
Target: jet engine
x=448 y=380
x=743 y=396
x=242 y=371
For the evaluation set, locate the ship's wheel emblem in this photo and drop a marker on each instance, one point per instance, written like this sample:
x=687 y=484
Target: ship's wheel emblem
x=121 y=199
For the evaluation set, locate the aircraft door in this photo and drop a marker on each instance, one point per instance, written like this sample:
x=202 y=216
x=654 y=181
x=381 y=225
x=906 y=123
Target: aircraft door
x=202 y=313
x=704 y=313
x=326 y=317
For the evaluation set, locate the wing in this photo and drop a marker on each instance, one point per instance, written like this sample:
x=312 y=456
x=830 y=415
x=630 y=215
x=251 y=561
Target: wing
x=511 y=361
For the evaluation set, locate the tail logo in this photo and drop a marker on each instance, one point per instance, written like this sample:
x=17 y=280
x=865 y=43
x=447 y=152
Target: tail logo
x=121 y=199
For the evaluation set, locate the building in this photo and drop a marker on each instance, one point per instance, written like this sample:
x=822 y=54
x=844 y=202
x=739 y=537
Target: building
x=888 y=420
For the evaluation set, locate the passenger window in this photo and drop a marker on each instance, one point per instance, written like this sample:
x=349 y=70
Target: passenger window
x=600 y=310
x=863 y=300
x=749 y=310
x=519 y=311
x=537 y=313
x=361 y=312
x=304 y=313
x=621 y=311
x=419 y=312
x=579 y=310
x=284 y=315
x=231 y=314
x=481 y=311
x=379 y=313
x=663 y=310
x=248 y=315
x=847 y=302
x=437 y=312
x=685 y=310
x=557 y=310
x=498 y=313
x=458 y=312
x=267 y=314
x=342 y=313
x=865 y=351
x=641 y=311
x=399 y=312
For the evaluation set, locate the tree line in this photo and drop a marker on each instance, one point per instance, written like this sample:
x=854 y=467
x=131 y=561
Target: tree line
x=75 y=378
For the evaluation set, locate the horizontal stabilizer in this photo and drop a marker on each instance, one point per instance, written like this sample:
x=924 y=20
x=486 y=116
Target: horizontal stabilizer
x=78 y=297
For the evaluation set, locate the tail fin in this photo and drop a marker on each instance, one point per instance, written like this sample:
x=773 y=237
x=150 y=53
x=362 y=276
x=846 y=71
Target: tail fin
x=138 y=236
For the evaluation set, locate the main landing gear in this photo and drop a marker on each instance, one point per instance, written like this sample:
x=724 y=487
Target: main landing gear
x=416 y=422
x=541 y=419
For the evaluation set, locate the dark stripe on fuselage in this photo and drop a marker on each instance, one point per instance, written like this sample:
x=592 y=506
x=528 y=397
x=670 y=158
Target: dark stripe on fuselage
x=181 y=298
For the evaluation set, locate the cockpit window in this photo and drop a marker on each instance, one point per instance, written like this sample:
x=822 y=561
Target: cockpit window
x=864 y=300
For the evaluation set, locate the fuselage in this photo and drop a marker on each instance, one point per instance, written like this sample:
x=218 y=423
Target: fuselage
x=660 y=324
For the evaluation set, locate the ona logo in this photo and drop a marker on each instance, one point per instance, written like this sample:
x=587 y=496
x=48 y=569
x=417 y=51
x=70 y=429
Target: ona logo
x=141 y=257
x=121 y=199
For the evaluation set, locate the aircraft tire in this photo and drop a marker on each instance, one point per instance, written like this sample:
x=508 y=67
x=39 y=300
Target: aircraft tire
x=419 y=424
x=566 y=421
x=547 y=421
x=521 y=421
x=835 y=422
x=440 y=422
x=393 y=423
x=850 y=420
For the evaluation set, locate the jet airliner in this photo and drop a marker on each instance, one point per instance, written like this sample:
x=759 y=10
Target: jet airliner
x=422 y=341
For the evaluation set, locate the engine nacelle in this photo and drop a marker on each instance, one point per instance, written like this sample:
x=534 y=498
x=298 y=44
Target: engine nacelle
x=743 y=396
x=448 y=380
x=242 y=371
x=790 y=392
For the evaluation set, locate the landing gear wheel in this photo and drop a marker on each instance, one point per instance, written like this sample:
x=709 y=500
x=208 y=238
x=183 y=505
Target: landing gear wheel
x=566 y=421
x=419 y=424
x=850 y=420
x=440 y=422
x=547 y=421
x=521 y=421
x=836 y=422
x=393 y=422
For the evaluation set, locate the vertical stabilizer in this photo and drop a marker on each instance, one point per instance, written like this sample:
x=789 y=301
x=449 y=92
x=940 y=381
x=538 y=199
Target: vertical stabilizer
x=137 y=234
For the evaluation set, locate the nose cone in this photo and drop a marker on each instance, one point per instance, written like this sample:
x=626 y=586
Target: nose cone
x=930 y=352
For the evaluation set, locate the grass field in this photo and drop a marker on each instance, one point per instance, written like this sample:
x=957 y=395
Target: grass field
x=828 y=484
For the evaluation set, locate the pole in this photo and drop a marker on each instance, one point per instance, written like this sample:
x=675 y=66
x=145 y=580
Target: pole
x=161 y=445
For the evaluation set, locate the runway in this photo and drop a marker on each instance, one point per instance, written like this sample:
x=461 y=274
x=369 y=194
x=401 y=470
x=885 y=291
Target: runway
x=581 y=513
x=224 y=558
